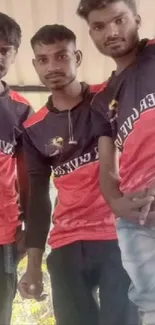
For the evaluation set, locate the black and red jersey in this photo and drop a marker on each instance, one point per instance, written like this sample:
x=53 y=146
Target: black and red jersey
x=125 y=110
x=14 y=110
x=63 y=143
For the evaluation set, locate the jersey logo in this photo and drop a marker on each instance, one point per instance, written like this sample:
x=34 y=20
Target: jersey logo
x=55 y=146
x=113 y=105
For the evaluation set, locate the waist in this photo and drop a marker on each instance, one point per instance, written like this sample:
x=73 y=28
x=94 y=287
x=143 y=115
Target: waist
x=59 y=237
x=96 y=223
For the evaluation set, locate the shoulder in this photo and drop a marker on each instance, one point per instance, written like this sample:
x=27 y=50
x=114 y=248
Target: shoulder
x=98 y=87
x=37 y=117
x=18 y=98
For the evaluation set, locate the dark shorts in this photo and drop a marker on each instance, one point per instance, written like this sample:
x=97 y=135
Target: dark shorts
x=77 y=271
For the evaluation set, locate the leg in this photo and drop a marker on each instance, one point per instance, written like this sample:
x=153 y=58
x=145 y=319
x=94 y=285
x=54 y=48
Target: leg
x=72 y=297
x=137 y=246
x=115 y=307
x=7 y=291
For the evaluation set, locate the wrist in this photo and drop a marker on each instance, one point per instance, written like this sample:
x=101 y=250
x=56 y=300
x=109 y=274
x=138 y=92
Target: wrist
x=34 y=259
x=113 y=199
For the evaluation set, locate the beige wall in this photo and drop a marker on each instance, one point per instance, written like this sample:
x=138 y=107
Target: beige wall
x=32 y=14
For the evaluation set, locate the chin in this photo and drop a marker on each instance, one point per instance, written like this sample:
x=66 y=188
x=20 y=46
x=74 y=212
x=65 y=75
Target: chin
x=57 y=87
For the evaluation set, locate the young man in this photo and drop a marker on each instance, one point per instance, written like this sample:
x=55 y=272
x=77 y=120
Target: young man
x=14 y=110
x=85 y=252
x=124 y=114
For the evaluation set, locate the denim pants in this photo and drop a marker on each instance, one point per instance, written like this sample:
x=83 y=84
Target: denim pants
x=137 y=245
x=76 y=271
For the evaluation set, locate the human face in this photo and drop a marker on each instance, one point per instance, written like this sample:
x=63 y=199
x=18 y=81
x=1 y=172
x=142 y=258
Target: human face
x=7 y=57
x=56 y=64
x=114 y=29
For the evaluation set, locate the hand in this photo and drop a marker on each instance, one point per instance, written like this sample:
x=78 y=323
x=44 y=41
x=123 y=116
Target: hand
x=150 y=220
x=31 y=286
x=133 y=207
x=20 y=241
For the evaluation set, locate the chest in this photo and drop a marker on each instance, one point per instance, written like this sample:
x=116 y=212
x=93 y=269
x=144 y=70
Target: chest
x=10 y=128
x=66 y=137
x=135 y=102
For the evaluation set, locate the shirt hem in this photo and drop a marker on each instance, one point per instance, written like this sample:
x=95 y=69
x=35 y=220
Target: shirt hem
x=67 y=241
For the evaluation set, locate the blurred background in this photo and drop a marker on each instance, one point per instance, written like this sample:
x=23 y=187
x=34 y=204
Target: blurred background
x=32 y=14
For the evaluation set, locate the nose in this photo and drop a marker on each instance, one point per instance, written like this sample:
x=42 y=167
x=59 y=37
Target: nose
x=112 y=31
x=53 y=66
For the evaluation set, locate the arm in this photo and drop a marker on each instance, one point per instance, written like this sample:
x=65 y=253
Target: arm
x=22 y=183
x=132 y=206
x=38 y=218
x=39 y=205
x=109 y=173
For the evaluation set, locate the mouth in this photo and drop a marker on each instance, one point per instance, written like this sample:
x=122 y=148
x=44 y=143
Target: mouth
x=114 y=43
x=1 y=67
x=54 y=77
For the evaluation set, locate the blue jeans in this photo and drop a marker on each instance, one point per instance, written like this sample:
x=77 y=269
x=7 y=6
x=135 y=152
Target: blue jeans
x=137 y=244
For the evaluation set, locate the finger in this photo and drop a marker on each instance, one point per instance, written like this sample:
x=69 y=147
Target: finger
x=151 y=216
x=35 y=289
x=140 y=203
x=138 y=194
x=42 y=297
x=151 y=190
x=24 y=292
x=145 y=211
x=135 y=216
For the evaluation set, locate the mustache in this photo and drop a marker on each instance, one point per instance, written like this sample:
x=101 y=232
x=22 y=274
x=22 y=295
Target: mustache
x=54 y=74
x=113 y=40
x=1 y=66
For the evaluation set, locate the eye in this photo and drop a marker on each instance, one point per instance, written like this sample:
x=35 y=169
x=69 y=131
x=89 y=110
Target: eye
x=42 y=60
x=120 y=21
x=98 y=27
x=62 y=57
x=4 y=50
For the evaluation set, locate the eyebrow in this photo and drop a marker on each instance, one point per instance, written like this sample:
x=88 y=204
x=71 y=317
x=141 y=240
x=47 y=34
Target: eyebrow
x=38 y=56
x=6 y=46
x=61 y=51
x=103 y=23
x=120 y=15
x=56 y=53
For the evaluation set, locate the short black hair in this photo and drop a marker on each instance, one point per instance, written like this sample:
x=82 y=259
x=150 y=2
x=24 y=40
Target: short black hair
x=50 y=34
x=10 y=31
x=86 y=6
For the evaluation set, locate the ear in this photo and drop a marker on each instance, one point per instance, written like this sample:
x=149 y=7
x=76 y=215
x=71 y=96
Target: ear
x=90 y=33
x=138 y=21
x=78 y=58
x=13 y=56
x=34 y=63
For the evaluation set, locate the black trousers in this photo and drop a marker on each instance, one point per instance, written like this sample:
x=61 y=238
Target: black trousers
x=76 y=271
x=8 y=281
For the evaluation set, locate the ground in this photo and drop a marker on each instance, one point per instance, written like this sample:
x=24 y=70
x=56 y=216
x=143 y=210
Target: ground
x=26 y=312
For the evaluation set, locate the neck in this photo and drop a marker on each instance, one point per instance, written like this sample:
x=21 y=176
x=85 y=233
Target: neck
x=125 y=61
x=1 y=88
x=68 y=97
